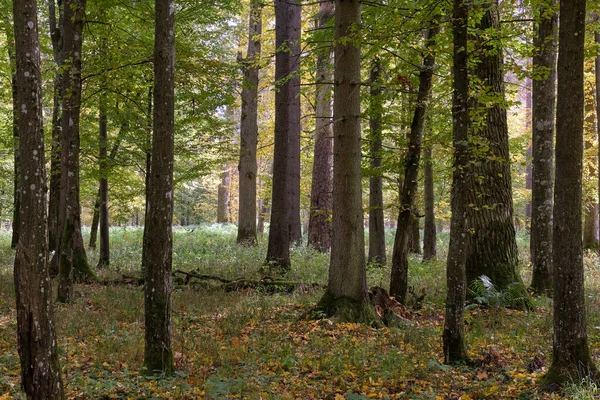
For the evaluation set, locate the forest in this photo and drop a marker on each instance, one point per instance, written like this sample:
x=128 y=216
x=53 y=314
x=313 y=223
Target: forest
x=295 y=199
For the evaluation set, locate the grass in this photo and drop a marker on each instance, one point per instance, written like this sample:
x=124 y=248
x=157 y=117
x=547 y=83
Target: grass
x=254 y=346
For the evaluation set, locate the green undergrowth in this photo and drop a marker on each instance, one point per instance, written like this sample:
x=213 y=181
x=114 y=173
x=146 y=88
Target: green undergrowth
x=250 y=345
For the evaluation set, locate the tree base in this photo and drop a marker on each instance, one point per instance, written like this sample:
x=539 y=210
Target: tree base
x=563 y=372
x=346 y=309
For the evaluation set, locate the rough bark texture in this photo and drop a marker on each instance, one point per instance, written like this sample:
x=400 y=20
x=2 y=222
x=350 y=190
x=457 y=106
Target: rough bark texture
x=377 y=252
x=571 y=358
x=494 y=248
x=454 y=322
x=158 y=244
x=55 y=151
x=543 y=99
x=72 y=262
x=293 y=29
x=321 y=194
x=347 y=286
x=278 y=251
x=104 y=256
x=223 y=196
x=40 y=370
x=406 y=219
x=249 y=130
x=429 y=229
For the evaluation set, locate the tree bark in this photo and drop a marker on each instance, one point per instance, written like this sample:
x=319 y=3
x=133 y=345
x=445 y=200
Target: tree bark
x=494 y=248
x=294 y=29
x=104 y=257
x=10 y=41
x=321 y=200
x=571 y=360
x=286 y=16
x=73 y=262
x=223 y=196
x=158 y=246
x=346 y=293
x=406 y=219
x=429 y=229
x=55 y=151
x=40 y=369
x=248 y=168
x=377 y=252
x=454 y=322
x=543 y=100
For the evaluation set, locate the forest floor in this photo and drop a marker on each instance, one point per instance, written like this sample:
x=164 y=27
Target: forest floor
x=253 y=345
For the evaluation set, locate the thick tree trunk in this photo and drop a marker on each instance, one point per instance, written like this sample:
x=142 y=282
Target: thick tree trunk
x=414 y=232
x=249 y=130
x=346 y=293
x=429 y=229
x=571 y=358
x=73 y=262
x=406 y=219
x=287 y=15
x=321 y=200
x=494 y=248
x=158 y=244
x=377 y=252
x=223 y=196
x=544 y=96
x=104 y=257
x=454 y=322
x=40 y=370
x=55 y=151
x=293 y=33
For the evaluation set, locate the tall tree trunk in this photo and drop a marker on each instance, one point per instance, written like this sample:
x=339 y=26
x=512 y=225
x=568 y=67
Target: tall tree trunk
x=399 y=276
x=249 y=129
x=429 y=229
x=294 y=29
x=223 y=196
x=73 y=263
x=571 y=358
x=10 y=41
x=414 y=232
x=104 y=257
x=494 y=247
x=347 y=285
x=158 y=246
x=543 y=99
x=321 y=200
x=286 y=16
x=149 y=128
x=55 y=151
x=40 y=370
x=377 y=252
x=454 y=322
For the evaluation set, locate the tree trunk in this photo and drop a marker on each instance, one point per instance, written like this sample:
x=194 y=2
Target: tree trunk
x=414 y=232
x=293 y=33
x=346 y=293
x=73 y=262
x=158 y=246
x=429 y=229
x=406 y=219
x=543 y=99
x=321 y=200
x=40 y=370
x=104 y=257
x=149 y=126
x=454 y=322
x=377 y=252
x=249 y=130
x=571 y=360
x=223 y=196
x=286 y=16
x=494 y=248
x=590 y=225
x=55 y=151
